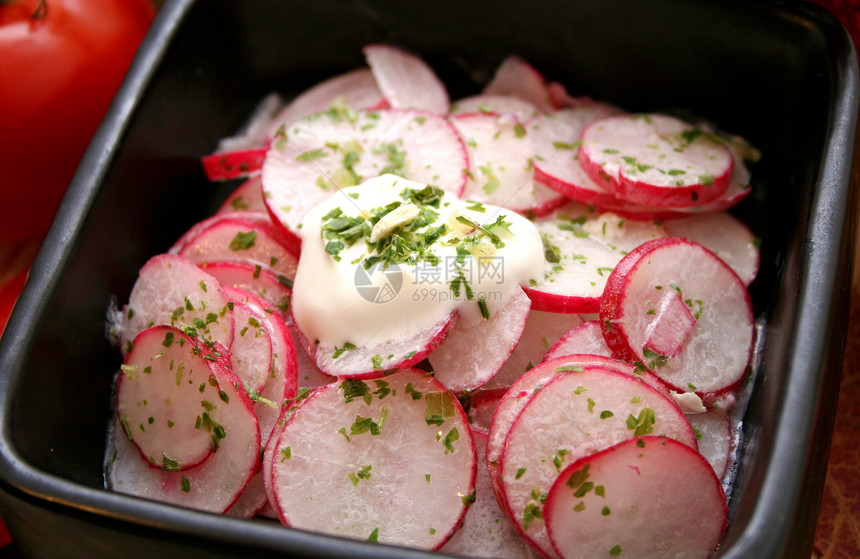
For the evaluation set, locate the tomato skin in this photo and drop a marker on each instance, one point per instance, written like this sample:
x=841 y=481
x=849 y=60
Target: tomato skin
x=58 y=75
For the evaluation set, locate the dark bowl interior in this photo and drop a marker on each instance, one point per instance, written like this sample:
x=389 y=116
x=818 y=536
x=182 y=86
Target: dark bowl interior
x=783 y=76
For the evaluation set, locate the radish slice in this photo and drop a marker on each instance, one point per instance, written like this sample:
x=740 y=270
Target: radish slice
x=585 y=338
x=486 y=531
x=555 y=137
x=356 y=89
x=375 y=358
x=496 y=104
x=499 y=167
x=233 y=164
x=661 y=483
x=281 y=379
x=172 y=290
x=599 y=408
x=252 y=501
x=476 y=349
x=724 y=235
x=255 y=132
x=251 y=351
x=655 y=160
x=517 y=78
x=405 y=80
x=518 y=395
x=716 y=441
x=541 y=332
x=561 y=99
x=581 y=248
x=242 y=240
x=360 y=433
x=715 y=351
x=272 y=288
x=214 y=394
x=329 y=151
x=248 y=196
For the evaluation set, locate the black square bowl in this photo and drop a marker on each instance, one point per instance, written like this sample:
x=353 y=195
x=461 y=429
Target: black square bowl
x=783 y=75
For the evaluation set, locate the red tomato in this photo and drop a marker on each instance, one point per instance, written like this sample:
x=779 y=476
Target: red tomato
x=61 y=62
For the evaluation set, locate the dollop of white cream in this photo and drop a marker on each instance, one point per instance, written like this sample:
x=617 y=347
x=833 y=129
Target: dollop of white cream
x=338 y=299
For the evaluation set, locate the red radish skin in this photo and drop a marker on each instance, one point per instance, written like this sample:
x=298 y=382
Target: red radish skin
x=274 y=289
x=655 y=160
x=476 y=348
x=247 y=197
x=499 y=151
x=670 y=326
x=581 y=248
x=724 y=235
x=302 y=168
x=339 y=464
x=406 y=81
x=555 y=137
x=217 y=482
x=596 y=505
x=517 y=78
x=309 y=375
x=356 y=89
x=585 y=338
x=520 y=109
x=240 y=240
x=715 y=356
x=541 y=332
x=172 y=290
x=486 y=531
x=599 y=408
x=234 y=164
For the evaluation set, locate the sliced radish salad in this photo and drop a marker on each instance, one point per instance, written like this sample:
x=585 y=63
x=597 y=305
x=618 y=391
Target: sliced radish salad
x=511 y=325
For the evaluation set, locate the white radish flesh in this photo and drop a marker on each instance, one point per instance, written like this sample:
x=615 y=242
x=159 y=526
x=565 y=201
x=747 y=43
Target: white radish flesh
x=172 y=290
x=585 y=338
x=226 y=419
x=248 y=196
x=251 y=351
x=476 y=348
x=281 y=379
x=406 y=81
x=716 y=352
x=542 y=330
x=517 y=78
x=597 y=408
x=314 y=158
x=486 y=531
x=724 y=235
x=500 y=171
x=581 y=247
x=647 y=497
x=339 y=464
x=655 y=160
x=356 y=89
x=716 y=441
x=496 y=104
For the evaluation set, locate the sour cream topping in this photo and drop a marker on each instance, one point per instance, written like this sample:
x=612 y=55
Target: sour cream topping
x=391 y=255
